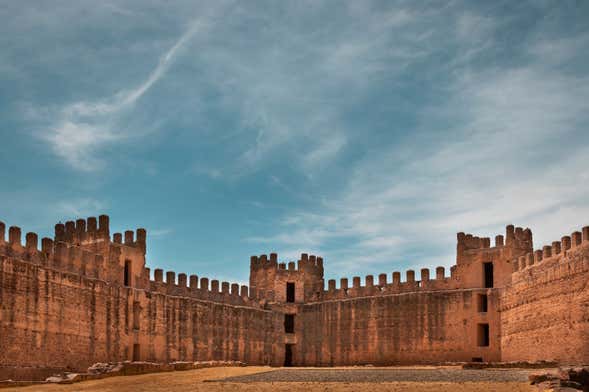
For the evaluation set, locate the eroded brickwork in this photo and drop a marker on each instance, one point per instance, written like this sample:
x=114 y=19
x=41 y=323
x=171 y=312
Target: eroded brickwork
x=86 y=296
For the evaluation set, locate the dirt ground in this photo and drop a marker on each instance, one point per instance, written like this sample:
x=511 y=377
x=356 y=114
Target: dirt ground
x=200 y=380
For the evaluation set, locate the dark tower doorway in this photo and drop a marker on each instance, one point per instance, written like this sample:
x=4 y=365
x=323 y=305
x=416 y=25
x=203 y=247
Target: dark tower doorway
x=288 y=355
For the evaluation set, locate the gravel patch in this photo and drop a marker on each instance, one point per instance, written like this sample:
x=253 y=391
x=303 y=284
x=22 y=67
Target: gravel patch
x=383 y=375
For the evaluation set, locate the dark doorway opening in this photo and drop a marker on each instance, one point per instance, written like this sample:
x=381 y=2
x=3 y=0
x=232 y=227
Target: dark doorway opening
x=288 y=355
x=483 y=335
x=477 y=359
x=136 y=353
x=290 y=292
x=488 y=268
x=289 y=323
x=127 y=273
x=483 y=303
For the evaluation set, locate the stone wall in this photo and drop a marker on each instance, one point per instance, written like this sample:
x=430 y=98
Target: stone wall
x=51 y=318
x=414 y=327
x=545 y=309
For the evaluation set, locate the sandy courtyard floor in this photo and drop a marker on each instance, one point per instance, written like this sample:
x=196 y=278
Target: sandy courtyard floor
x=305 y=379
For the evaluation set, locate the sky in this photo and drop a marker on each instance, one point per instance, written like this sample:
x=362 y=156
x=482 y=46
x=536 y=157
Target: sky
x=366 y=132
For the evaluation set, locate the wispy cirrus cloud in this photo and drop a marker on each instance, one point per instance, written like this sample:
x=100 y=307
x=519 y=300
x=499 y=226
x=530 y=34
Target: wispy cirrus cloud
x=82 y=129
x=506 y=145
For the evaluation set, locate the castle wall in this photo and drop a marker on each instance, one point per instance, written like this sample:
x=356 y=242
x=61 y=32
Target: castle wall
x=412 y=327
x=84 y=298
x=55 y=313
x=545 y=310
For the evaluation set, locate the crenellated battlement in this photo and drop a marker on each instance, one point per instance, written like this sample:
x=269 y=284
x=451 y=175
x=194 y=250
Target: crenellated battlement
x=385 y=287
x=87 y=287
x=63 y=256
x=556 y=250
x=182 y=285
x=516 y=239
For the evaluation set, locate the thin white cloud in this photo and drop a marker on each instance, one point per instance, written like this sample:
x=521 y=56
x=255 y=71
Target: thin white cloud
x=506 y=146
x=84 y=128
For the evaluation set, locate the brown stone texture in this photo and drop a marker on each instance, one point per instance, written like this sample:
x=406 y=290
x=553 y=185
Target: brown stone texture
x=87 y=297
x=545 y=310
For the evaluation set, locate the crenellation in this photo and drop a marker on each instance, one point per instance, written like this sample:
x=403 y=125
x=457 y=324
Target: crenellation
x=244 y=292
x=343 y=283
x=424 y=275
x=193 y=281
x=369 y=281
x=129 y=241
x=214 y=286
x=47 y=247
x=356 y=282
x=440 y=273
x=141 y=242
x=509 y=235
x=486 y=242
x=538 y=256
x=182 y=280
x=80 y=230
x=382 y=280
x=331 y=285
x=566 y=243
x=91 y=225
x=117 y=238
x=585 y=231
x=204 y=284
x=103 y=225
x=2 y=232
x=282 y=266
x=575 y=239
x=70 y=231
x=32 y=241
x=556 y=247
x=499 y=240
x=14 y=238
x=171 y=278
x=291 y=266
x=225 y=287
x=546 y=252
x=59 y=232
x=158 y=275
x=410 y=274
x=396 y=278
x=235 y=289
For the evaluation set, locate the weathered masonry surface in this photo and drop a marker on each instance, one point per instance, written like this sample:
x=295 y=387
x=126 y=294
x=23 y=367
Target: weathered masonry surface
x=84 y=297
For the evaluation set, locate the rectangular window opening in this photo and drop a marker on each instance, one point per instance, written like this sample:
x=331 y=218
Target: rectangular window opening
x=488 y=271
x=289 y=320
x=483 y=303
x=290 y=292
x=477 y=359
x=483 y=335
x=127 y=273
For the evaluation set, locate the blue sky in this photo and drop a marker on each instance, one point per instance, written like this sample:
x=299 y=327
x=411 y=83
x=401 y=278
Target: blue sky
x=366 y=132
